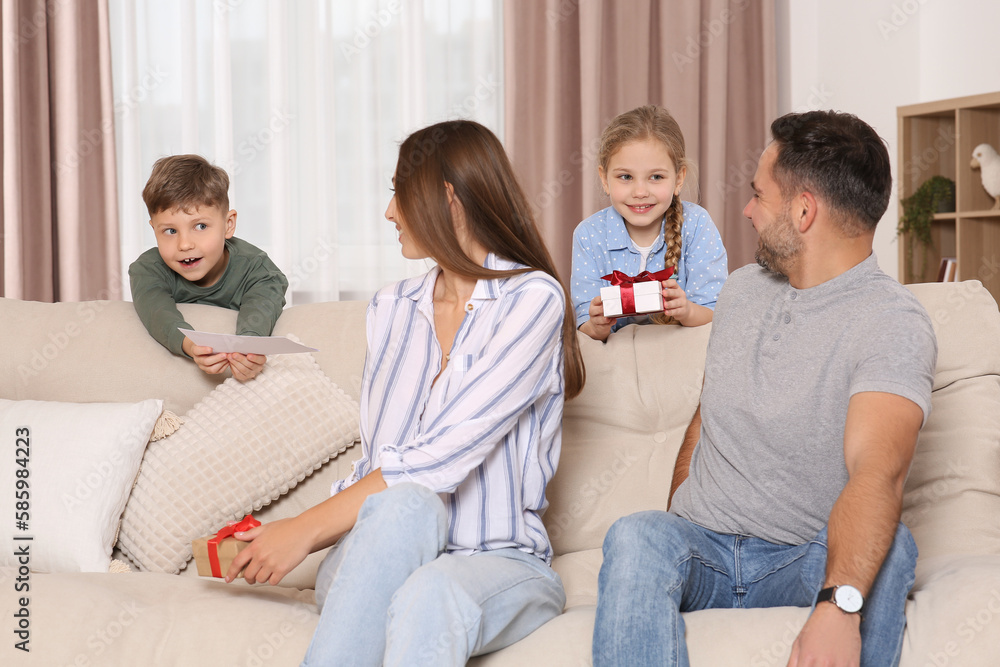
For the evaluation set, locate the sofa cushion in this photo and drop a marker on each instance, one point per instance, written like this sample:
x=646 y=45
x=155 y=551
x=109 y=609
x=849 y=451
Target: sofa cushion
x=952 y=494
x=622 y=433
x=239 y=448
x=69 y=471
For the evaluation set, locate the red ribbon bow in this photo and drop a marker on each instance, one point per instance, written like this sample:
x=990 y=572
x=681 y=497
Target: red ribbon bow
x=247 y=523
x=619 y=278
x=626 y=282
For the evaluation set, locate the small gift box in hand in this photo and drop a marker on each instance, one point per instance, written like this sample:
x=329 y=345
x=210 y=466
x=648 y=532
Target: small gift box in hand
x=215 y=553
x=632 y=296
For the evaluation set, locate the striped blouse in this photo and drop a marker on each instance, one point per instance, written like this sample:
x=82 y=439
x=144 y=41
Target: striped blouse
x=486 y=436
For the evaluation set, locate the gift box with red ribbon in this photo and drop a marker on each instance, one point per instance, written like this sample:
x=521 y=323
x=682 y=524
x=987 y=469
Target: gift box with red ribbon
x=215 y=553
x=630 y=295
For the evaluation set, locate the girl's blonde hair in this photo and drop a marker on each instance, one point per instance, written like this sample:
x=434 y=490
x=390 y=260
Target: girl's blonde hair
x=651 y=122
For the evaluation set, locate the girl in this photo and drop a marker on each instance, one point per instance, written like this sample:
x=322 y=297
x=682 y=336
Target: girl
x=642 y=167
x=444 y=554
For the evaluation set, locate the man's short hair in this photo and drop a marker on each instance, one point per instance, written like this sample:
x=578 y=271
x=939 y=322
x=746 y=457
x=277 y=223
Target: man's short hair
x=838 y=157
x=185 y=182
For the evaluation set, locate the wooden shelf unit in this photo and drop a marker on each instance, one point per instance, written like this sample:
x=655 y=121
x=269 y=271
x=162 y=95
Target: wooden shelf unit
x=937 y=139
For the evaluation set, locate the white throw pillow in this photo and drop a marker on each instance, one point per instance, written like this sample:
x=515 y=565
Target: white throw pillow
x=67 y=473
x=239 y=448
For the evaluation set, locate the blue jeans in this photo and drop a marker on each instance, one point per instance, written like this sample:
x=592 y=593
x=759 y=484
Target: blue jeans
x=657 y=565
x=390 y=595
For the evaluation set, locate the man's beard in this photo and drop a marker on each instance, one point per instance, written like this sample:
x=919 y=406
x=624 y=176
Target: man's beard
x=778 y=246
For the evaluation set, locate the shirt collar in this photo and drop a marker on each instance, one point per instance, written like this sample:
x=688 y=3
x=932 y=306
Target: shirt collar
x=421 y=289
x=618 y=238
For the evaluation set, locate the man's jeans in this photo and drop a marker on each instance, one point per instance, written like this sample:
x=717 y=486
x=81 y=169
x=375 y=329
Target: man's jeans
x=657 y=565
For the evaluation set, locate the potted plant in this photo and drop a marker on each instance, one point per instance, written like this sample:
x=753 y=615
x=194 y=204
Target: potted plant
x=935 y=195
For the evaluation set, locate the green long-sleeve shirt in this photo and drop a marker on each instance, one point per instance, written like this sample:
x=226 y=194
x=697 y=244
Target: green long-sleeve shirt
x=251 y=284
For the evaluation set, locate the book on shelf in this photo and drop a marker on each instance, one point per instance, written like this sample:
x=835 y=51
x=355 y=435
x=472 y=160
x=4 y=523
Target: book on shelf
x=948 y=271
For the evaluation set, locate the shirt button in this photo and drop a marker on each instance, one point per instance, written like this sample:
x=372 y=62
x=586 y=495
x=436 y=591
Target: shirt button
x=777 y=336
x=788 y=318
x=469 y=306
x=794 y=295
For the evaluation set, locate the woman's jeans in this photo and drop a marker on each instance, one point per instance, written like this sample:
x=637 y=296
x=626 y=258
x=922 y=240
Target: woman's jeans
x=389 y=595
x=657 y=565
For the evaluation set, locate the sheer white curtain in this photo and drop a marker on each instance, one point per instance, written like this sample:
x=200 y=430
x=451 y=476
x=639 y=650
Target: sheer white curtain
x=304 y=102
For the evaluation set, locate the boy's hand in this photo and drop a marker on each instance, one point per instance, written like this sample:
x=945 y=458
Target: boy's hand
x=246 y=367
x=213 y=364
x=598 y=327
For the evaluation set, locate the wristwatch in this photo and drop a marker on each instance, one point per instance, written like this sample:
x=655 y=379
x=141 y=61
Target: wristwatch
x=847 y=598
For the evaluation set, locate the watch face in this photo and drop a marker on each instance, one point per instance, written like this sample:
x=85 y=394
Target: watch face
x=848 y=598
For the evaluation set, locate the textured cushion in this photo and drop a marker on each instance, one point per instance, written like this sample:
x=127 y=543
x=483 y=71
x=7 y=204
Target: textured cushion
x=72 y=466
x=239 y=449
x=622 y=433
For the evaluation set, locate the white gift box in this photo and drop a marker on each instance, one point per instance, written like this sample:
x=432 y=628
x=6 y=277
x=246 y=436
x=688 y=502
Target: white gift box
x=646 y=295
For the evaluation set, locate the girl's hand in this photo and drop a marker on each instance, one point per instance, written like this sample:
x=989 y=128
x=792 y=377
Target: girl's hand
x=675 y=301
x=598 y=327
x=676 y=305
x=275 y=549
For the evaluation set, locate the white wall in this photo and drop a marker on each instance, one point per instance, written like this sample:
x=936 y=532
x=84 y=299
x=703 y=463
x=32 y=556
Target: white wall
x=868 y=57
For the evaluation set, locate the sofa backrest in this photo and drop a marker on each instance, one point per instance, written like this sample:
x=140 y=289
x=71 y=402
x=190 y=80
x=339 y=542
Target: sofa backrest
x=621 y=435
x=952 y=494
x=98 y=351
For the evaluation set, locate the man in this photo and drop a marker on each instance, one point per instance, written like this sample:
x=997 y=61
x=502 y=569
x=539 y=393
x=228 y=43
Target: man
x=788 y=486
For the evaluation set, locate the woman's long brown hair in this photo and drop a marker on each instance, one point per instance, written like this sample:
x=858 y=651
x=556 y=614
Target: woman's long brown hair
x=468 y=156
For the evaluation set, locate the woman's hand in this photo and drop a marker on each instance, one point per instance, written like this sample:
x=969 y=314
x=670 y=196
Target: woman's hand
x=598 y=327
x=275 y=549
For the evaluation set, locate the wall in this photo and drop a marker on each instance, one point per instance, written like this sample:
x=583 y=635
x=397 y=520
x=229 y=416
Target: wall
x=870 y=56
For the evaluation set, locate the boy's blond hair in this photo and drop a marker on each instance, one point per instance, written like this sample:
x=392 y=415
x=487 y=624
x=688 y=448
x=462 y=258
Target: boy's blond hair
x=185 y=182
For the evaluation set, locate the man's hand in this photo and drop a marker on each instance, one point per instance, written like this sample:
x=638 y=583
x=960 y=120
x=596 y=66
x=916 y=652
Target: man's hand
x=830 y=638
x=213 y=364
x=598 y=327
x=275 y=549
x=246 y=367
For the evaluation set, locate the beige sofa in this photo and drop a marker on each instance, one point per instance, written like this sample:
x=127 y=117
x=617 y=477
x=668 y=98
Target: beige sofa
x=619 y=443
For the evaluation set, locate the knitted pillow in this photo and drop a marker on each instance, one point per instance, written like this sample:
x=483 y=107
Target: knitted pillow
x=239 y=448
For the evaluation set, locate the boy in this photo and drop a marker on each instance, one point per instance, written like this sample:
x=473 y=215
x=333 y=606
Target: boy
x=198 y=260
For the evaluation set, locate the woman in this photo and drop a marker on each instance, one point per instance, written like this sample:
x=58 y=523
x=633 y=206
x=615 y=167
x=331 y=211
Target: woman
x=444 y=554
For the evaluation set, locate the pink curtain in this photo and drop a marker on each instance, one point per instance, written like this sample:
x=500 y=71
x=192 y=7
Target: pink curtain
x=571 y=66
x=59 y=231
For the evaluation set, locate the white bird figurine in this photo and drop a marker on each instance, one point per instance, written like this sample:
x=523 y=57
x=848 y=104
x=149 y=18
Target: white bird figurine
x=985 y=158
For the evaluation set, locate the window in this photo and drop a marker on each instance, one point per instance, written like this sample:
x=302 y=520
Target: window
x=304 y=103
